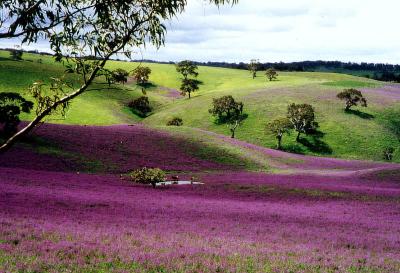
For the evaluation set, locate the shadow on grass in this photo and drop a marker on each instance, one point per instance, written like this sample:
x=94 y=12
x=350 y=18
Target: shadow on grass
x=313 y=143
x=359 y=114
x=147 y=85
x=224 y=119
x=293 y=148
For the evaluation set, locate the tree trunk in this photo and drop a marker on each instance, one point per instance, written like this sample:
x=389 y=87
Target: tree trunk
x=189 y=95
x=233 y=133
x=279 y=142
x=298 y=136
x=11 y=141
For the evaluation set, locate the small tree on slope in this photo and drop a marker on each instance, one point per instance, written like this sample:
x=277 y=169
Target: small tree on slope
x=352 y=97
x=278 y=128
x=302 y=117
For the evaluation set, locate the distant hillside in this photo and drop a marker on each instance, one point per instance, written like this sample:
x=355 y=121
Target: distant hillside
x=362 y=134
x=376 y=71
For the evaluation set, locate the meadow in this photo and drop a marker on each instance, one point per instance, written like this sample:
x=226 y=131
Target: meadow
x=327 y=204
x=362 y=134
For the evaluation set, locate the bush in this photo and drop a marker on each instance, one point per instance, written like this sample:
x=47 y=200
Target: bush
x=148 y=176
x=175 y=122
x=141 y=106
x=120 y=76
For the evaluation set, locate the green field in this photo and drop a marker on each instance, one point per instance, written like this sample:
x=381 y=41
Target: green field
x=362 y=135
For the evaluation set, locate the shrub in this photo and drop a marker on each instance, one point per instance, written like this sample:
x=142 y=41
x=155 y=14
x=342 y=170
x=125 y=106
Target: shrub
x=175 y=122
x=141 y=106
x=148 y=176
x=120 y=76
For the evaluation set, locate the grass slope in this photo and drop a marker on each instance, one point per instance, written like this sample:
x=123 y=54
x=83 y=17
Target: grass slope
x=361 y=135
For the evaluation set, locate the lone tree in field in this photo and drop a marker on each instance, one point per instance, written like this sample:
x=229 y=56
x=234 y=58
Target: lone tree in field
x=271 y=74
x=188 y=68
x=83 y=35
x=11 y=106
x=141 y=74
x=224 y=107
x=253 y=67
x=188 y=86
x=278 y=128
x=302 y=117
x=352 y=97
x=228 y=111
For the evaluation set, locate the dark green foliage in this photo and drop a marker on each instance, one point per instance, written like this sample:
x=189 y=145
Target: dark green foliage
x=271 y=74
x=227 y=110
x=120 y=76
x=141 y=106
x=175 y=122
x=352 y=97
x=388 y=153
x=148 y=176
x=278 y=127
x=11 y=106
x=225 y=107
x=188 y=86
x=187 y=68
x=302 y=117
x=16 y=54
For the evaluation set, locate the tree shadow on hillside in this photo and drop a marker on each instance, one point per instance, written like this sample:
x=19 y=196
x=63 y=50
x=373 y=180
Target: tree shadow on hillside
x=224 y=119
x=359 y=114
x=147 y=85
x=315 y=144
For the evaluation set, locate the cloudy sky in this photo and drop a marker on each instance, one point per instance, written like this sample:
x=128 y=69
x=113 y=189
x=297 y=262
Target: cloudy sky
x=284 y=30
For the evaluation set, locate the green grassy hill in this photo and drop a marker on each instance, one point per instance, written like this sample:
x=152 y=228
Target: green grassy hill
x=362 y=136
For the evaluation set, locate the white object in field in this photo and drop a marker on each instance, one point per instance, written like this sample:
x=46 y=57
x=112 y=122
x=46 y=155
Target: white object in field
x=166 y=183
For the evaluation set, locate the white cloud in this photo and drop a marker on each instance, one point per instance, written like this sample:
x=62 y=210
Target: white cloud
x=286 y=30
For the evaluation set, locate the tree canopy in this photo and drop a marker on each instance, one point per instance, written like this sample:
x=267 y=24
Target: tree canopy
x=188 y=86
x=187 y=68
x=352 y=97
x=224 y=107
x=302 y=116
x=271 y=74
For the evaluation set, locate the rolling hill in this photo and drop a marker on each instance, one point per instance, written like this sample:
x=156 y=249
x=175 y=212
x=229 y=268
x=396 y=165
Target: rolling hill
x=361 y=135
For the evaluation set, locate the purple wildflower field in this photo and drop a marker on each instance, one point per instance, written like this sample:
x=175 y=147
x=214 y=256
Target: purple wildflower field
x=55 y=218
